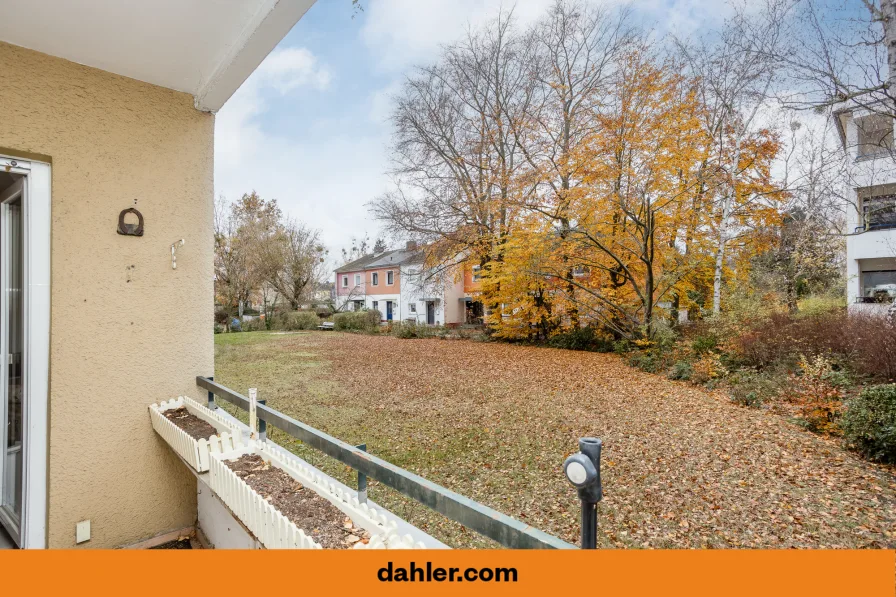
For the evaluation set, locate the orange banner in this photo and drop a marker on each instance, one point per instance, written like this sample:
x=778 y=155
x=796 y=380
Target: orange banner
x=556 y=573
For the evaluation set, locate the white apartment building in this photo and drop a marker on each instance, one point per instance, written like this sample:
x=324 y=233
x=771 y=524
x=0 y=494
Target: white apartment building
x=867 y=138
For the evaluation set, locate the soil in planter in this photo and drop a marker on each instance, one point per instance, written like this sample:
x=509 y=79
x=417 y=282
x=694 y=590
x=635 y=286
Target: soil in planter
x=193 y=425
x=324 y=522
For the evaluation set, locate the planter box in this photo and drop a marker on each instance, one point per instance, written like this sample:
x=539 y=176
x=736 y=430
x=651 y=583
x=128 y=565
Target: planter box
x=195 y=452
x=275 y=531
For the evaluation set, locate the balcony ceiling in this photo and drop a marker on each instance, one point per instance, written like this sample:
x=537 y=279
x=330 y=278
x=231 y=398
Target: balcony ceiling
x=203 y=47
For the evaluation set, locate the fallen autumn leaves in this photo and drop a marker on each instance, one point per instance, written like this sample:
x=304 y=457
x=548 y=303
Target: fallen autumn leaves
x=683 y=467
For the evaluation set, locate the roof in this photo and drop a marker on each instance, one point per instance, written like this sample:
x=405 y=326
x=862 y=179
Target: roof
x=378 y=260
x=207 y=49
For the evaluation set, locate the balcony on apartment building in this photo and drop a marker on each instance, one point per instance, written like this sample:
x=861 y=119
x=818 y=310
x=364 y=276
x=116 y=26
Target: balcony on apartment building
x=237 y=509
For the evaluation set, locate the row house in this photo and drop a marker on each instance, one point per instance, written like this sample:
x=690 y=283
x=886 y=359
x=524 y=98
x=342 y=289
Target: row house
x=398 y=285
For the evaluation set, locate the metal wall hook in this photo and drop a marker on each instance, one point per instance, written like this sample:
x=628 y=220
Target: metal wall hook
x=174 y=248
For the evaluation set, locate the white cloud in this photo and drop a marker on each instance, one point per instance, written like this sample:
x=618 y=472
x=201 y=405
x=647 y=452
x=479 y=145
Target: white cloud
x=288 y=68
x=323 y=181
x=405 y=32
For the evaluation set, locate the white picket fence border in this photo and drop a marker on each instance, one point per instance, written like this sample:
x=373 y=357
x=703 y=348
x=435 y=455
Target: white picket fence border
x=195 y=452
x=275 y=531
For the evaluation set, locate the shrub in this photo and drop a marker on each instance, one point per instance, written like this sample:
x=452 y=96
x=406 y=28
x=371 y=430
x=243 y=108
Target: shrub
x=864 y=340
x=706 y=368
x=581 y=339
x=221 y=316
x=869 y=423
x=663 y=336
x=651 y=361
x=753 y=389
x=297 y=320
x=218 y=329
x=816 y=396
x=360 y=321
x=254 y=325
x=872 y=344
x=411 y=329
x=622 y=347
x=704 y=344
x=681 y=370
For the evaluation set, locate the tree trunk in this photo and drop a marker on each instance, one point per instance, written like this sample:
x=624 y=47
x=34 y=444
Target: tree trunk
x=720 y=262
x=723 y=231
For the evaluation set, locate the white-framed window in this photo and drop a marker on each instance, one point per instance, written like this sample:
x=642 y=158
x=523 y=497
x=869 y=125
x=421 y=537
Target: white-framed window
x=345 y=281
x=413 y=307
x=357 y=279
x=390 y=277
x=376 y=305
x=477 y=272
x=375 y=279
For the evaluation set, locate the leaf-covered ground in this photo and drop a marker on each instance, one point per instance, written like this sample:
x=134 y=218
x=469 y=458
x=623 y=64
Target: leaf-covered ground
x=682 y=467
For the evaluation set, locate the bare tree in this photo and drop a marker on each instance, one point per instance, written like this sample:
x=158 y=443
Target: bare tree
x=298 y=264
x=456 y=157
x=249 y=252
x=841 y=51
x=234 y=278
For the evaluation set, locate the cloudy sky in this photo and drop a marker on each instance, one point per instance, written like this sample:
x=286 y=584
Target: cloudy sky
x=310 y=126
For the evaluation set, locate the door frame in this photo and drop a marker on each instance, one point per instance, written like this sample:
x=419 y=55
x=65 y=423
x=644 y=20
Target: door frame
x=36 y=348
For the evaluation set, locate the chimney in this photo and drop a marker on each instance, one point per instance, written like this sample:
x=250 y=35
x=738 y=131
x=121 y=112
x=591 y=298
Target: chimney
x=411 y=245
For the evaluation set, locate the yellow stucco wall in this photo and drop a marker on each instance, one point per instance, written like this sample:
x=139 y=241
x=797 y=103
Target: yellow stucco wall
x=126 y=329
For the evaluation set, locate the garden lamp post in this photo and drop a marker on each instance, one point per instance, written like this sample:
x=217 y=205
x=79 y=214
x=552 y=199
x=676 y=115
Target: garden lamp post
x=583 y=471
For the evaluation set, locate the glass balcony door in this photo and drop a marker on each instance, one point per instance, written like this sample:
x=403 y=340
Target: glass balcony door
x=12 y=387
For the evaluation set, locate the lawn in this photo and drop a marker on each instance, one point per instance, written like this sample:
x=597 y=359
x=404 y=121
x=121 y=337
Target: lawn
x=683 y=467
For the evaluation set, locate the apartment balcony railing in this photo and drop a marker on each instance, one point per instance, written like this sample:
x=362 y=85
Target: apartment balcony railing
x=875 y=226
x=486 y=521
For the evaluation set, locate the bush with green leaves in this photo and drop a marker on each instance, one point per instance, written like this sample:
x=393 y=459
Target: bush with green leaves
x=297 y=320
x=622 y=347
x=255 y=324
x=411 y=329
x=755 y=388
x=581 y=339
x=681 y=370
x=704 y=344
x=359 y=321
x=869 y=423
x=651 y=361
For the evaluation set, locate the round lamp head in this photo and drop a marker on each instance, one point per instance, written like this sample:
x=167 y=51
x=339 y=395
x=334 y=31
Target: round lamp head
x=580 y=470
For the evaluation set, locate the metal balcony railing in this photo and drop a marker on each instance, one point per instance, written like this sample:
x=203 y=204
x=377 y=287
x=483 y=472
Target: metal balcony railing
x=486 y=521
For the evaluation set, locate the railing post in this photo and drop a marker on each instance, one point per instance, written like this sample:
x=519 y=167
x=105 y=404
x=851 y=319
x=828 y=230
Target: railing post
x=362 y=480
x=583 y=471
x=262 y=425
x=253 y=412
x=211 y=396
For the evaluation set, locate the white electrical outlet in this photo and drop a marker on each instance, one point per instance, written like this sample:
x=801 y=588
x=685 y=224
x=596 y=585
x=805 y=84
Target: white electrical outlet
x=82 y=531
